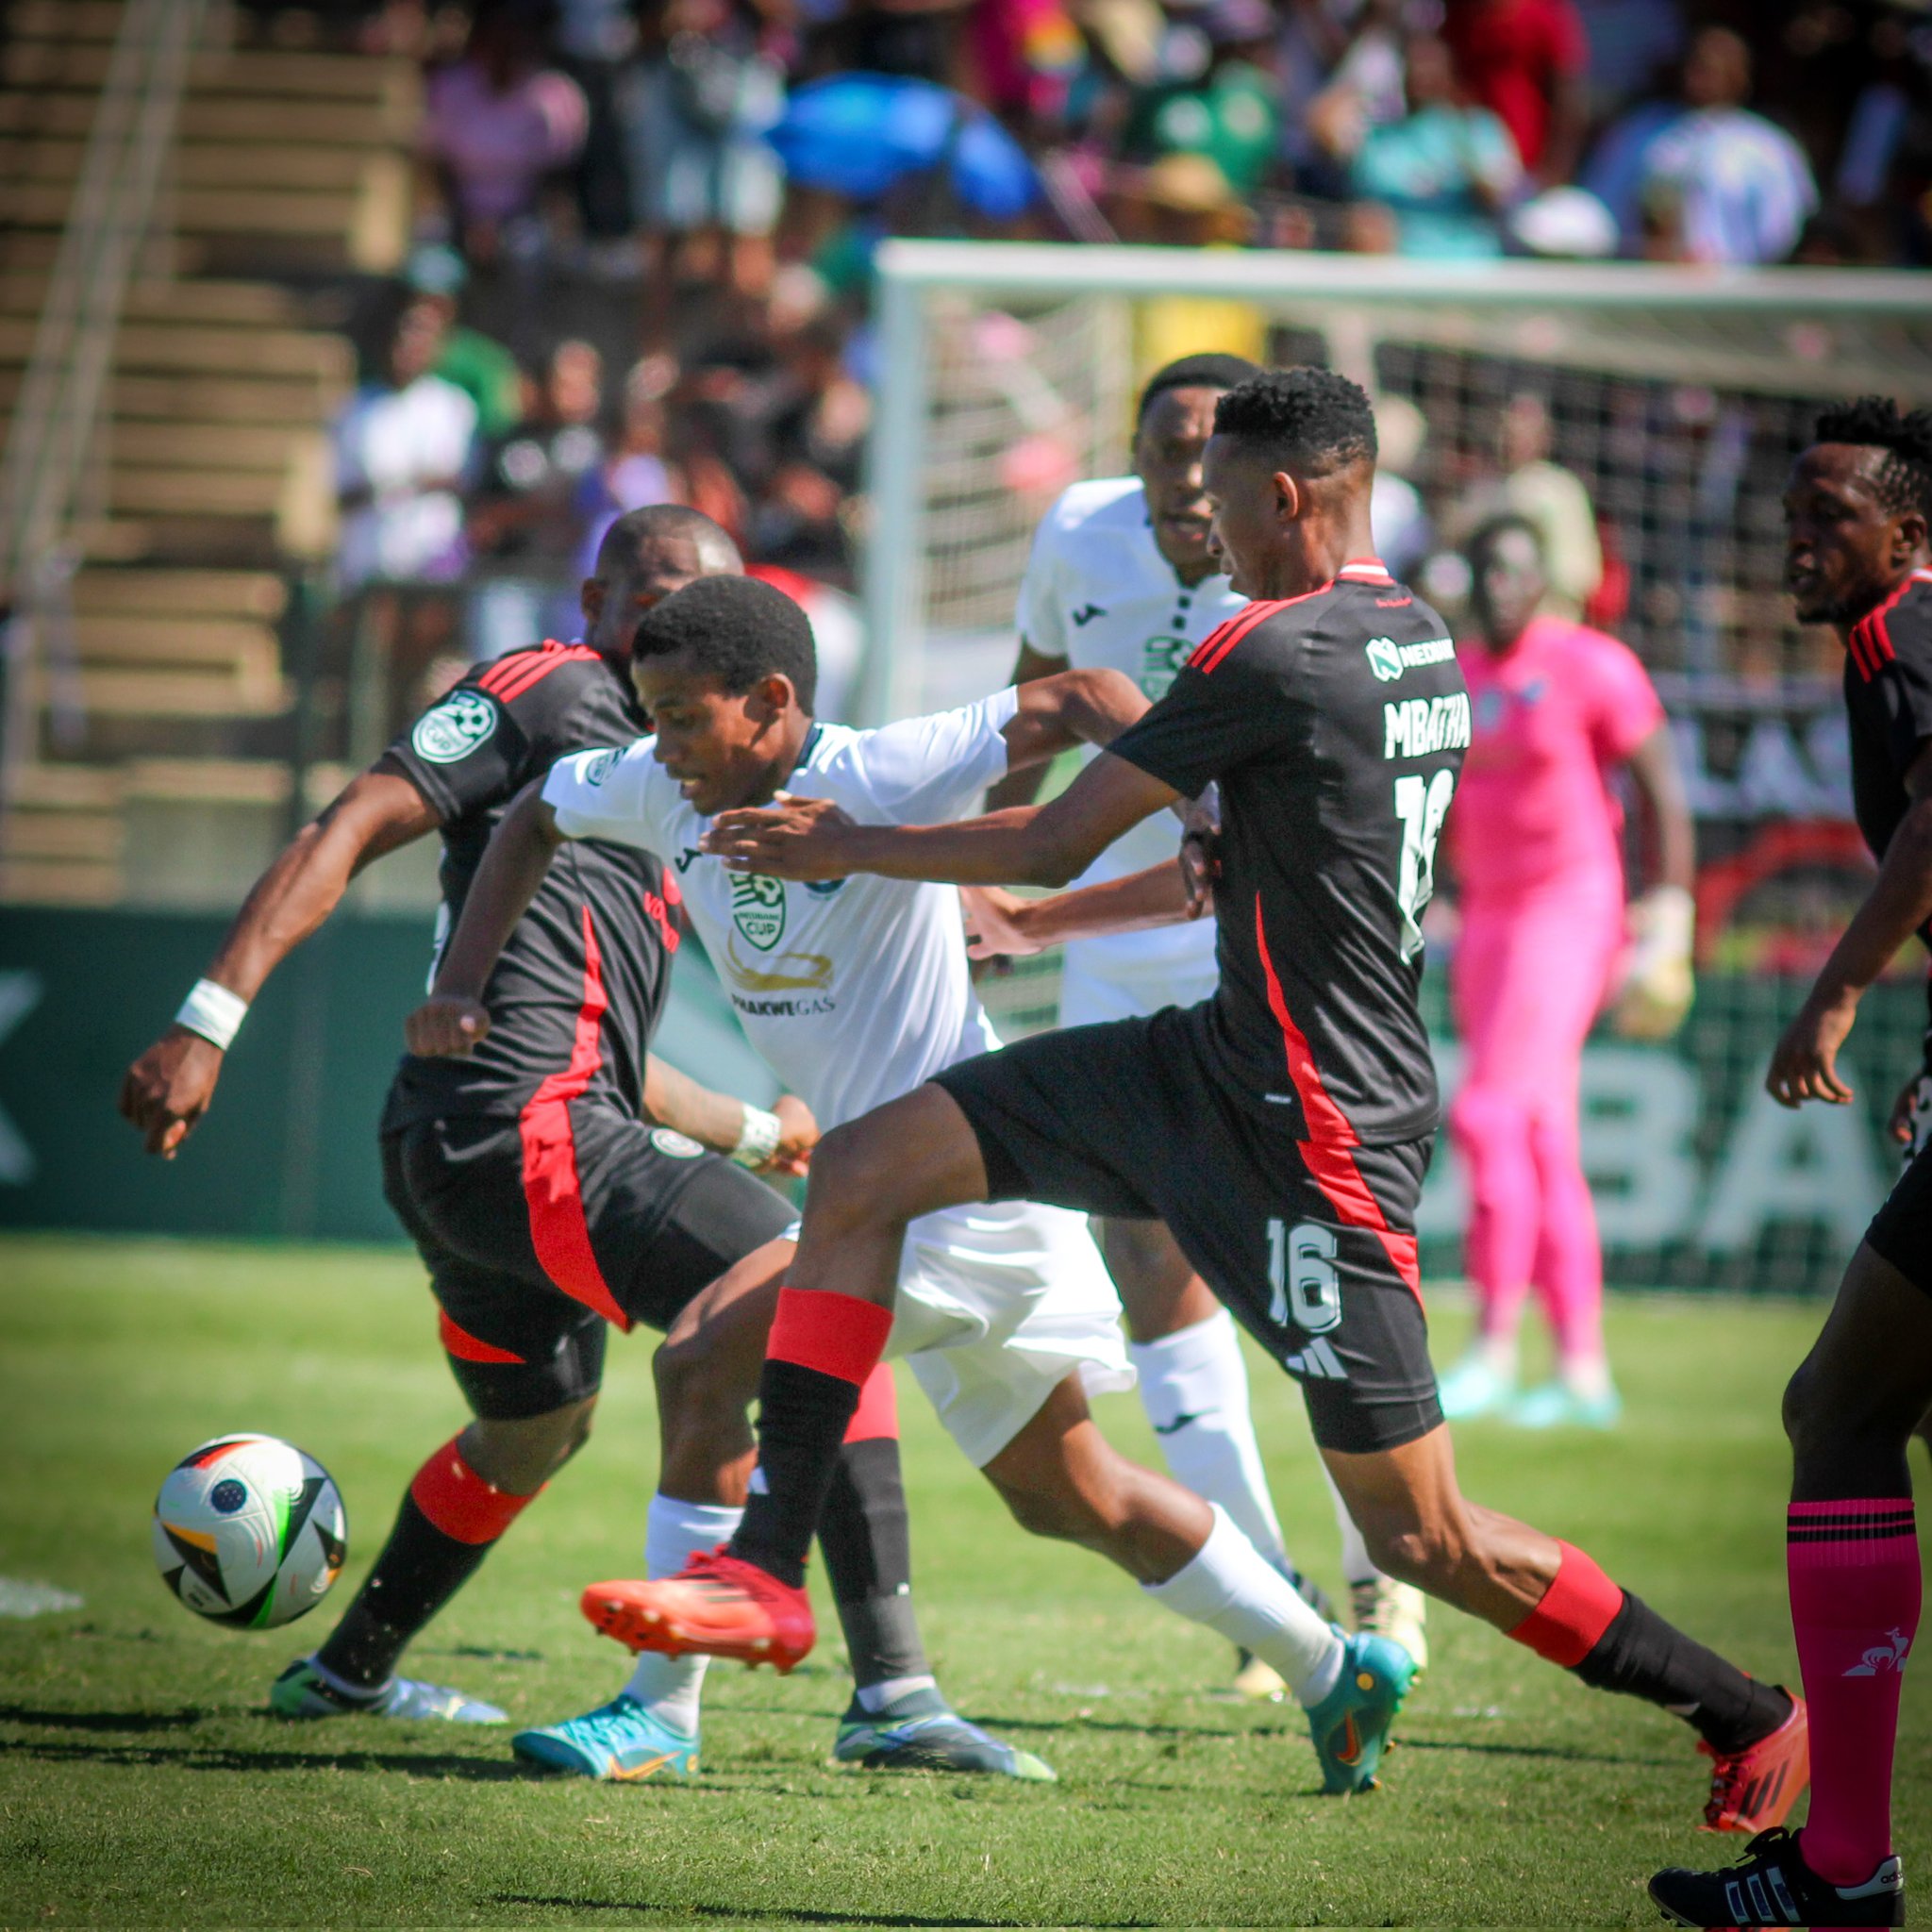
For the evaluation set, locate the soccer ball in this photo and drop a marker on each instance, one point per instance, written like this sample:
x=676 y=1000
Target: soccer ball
x=249 y=1531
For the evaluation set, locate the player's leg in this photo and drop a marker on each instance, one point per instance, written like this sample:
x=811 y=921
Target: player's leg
x=1489 y=1120
x=528 y=1364
x=1852 y=1556
x=1182 y=1343
x=1062 y=1479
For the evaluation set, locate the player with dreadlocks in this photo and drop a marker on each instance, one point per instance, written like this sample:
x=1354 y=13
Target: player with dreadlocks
x=1857 y=512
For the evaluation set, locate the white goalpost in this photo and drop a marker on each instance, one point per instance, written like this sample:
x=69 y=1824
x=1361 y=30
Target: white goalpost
x=1678 y=397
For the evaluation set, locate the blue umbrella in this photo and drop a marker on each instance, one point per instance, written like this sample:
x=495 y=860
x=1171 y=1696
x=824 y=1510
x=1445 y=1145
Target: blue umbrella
x=858 y=134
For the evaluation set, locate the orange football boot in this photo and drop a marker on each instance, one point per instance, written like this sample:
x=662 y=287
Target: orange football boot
x=717 y=1605
x=1752 y=1789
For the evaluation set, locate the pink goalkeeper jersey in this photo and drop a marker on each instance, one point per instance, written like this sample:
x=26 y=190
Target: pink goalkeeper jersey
x=1550 y=720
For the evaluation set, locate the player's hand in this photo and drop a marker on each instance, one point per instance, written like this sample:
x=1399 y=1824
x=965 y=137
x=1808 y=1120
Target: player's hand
x=166 y=1092
x=790 y=839
x=993 y=928
x=1201 y=851
x=793 y=1155
x=1804 y=1065
x=1912 y=1097
x=446 y=1027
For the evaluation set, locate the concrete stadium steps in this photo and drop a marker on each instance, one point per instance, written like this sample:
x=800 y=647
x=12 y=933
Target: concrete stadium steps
x=171 y=782
x=292 y=157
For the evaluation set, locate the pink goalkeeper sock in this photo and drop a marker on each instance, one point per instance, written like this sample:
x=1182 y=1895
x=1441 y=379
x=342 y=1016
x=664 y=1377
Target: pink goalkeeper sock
x=1854 y=1569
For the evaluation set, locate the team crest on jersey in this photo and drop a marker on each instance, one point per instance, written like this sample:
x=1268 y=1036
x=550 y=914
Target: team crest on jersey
x=454 y=728
x=1161 y=658
x=599 y=768
x=757 y=909
x=678 y=1146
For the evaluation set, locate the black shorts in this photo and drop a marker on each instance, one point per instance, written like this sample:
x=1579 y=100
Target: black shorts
x=1313 y=1251
x=534 y=1252
x=1900 y=1231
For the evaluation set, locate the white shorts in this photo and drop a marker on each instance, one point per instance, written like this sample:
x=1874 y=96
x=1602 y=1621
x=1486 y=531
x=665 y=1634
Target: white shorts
x=998 y=1305
x=1086 y=999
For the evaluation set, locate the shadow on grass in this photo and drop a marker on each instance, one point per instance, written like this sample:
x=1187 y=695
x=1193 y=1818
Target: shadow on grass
x=226 y=1757
x=1562 y=1753
x=136 y=1721
x=768 y=1915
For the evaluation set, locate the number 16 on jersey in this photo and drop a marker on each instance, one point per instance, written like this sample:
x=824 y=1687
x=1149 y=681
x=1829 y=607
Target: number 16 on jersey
x=1421 y=805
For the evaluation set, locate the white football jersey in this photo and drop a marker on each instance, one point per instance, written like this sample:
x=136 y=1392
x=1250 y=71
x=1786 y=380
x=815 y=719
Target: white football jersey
x=854 y=991
x=1098 y=593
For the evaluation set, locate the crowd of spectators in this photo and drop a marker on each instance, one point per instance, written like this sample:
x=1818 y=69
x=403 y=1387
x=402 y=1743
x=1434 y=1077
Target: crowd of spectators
x=721 y=171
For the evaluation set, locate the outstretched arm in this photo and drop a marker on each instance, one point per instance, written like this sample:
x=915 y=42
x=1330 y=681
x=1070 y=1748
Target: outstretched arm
x=1805 y=1064
x=166 y=1092
x=1066 y=708
x=998 y=924
x=1028 y=846
x=452 y=1019
x=1021 y=786
x=778 y=1141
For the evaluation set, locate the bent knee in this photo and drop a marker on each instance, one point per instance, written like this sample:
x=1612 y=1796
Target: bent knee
x=1061 y=1515
x=858 y=1180
x=521 y=1456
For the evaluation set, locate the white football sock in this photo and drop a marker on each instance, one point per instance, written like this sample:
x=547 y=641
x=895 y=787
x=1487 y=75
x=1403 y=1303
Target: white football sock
x=1194 y=1385
x=1356 y=1567
x=674 y=1533
x=874 y=1698
x=1233 y=1589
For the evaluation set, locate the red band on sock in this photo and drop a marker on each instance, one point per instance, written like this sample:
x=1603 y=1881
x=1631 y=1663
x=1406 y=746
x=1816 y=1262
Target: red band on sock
x=877 y=1418
x=836 y=1334
x=459 y=1503
x=1579 y=1606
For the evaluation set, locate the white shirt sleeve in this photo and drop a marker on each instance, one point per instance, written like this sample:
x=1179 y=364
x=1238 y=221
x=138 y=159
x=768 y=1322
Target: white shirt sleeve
x=1039 y=617
x=923 y=771
x=614 y=795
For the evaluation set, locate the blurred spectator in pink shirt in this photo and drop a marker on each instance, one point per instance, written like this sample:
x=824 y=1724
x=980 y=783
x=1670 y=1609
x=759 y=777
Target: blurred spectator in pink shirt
x=497 y=122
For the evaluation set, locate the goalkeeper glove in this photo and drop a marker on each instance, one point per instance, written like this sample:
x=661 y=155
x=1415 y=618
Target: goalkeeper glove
x=1656 y=986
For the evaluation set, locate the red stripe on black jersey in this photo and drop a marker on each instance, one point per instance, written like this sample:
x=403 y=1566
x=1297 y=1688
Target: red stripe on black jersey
x=1871 y=637
x=1217 y=644
x=552 y=1186
x=1328 y=1151
x=524 y=669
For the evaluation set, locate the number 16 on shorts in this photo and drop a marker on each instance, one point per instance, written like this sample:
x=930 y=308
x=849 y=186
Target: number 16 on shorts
x=1305 y=1290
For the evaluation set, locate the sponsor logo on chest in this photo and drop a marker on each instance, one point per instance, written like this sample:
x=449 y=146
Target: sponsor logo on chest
x=1161 y=658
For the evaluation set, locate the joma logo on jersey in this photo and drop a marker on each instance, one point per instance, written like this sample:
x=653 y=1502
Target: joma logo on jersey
x=757 y=909
x=1388 y=660
x=1161 y=658
x=1414 y=727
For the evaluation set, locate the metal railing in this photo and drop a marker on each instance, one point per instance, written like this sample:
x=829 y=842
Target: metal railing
x=51 y=437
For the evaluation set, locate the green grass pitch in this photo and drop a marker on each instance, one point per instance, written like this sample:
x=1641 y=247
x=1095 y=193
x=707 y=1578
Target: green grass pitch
x=142 y=1783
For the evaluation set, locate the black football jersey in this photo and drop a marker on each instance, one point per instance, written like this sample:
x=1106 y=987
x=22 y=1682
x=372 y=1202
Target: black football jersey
x=1889 y=699
x=579 y=989
x=1335 y=723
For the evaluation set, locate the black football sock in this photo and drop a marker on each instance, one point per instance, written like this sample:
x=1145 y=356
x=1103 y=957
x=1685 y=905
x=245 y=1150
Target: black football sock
x=868 y=1552
x=1615 y=1641
x=449 y=1521
x=823 y=1346
x=1643 y=1656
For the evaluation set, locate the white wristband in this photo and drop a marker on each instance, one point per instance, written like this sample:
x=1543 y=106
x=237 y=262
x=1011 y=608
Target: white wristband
x=757 y=1140
x=213 y=1012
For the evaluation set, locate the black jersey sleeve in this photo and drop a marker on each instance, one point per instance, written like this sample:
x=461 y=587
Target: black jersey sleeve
x=466 y=753
x=1211 y=721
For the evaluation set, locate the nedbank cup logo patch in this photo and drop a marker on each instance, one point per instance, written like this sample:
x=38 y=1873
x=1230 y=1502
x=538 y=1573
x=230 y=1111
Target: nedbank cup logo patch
x=757 y=909
x=455 y=727
x=1161 y=658
x=1385 y=658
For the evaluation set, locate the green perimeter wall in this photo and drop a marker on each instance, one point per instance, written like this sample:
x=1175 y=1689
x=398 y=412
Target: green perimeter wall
x=289 y=1147
x=1700 y=1180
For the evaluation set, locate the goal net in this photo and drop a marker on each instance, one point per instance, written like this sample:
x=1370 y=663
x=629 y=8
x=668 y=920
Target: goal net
x=1678 y=398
